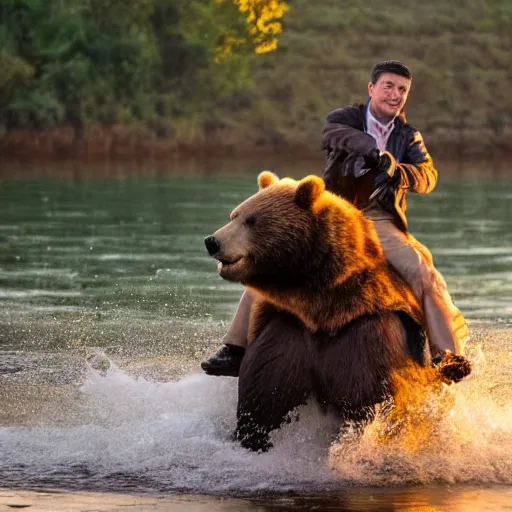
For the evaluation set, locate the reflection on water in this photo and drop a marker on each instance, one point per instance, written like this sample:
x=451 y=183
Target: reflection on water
x=119 y=265
x=429 y=499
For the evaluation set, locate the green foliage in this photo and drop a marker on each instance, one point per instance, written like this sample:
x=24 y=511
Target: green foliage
x=35 y=108
x=189 y=33
x=109 y=61
x=54 y=38
x=15 y=72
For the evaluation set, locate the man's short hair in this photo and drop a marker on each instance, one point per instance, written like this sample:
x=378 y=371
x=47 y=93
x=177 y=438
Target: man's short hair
x=390 y=66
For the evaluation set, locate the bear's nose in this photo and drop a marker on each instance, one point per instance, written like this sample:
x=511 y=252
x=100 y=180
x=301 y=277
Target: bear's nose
x=212 y=245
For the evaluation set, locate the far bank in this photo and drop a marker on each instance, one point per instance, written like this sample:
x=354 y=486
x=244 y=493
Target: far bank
x=223 y=140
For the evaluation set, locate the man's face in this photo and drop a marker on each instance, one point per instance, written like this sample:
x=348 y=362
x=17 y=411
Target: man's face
x=389 y=95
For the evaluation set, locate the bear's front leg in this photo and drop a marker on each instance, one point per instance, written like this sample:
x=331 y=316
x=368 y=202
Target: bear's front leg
x=354 y=366
x=275 y=377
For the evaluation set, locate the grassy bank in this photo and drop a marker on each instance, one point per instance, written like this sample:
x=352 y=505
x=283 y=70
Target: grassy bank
x=459 y=54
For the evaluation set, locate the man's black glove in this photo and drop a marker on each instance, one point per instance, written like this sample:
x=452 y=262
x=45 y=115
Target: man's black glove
x=377 y=160
x=386 y=180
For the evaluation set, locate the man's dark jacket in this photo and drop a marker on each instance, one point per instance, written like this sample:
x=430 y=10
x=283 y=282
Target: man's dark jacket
x=346 y=144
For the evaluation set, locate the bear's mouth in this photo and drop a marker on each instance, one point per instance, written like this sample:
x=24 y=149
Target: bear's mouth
x=223 y=262
x=229 y=269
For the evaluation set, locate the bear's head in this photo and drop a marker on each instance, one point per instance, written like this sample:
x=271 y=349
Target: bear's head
x=290 y=234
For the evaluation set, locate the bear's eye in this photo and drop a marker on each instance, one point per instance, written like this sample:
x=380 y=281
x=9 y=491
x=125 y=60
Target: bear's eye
x=250 y=221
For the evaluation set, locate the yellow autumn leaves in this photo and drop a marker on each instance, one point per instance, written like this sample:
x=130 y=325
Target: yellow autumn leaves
x=262 y=17
x=262 y=25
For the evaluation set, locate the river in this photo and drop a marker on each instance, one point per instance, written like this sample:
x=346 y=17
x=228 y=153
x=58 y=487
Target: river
x=109 y=301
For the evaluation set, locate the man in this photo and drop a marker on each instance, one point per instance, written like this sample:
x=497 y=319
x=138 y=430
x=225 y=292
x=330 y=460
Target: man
x=373 y=158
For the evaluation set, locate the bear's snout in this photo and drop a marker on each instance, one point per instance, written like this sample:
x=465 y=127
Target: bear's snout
x=212 y=244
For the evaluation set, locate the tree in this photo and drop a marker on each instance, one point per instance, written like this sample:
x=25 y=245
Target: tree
x=110 y=61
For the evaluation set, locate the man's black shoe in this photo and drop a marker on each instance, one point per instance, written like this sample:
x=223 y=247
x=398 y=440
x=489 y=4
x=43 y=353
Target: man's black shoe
x=225 y=362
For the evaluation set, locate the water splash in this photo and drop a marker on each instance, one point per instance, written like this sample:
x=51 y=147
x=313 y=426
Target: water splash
x=128 y=433
x=447 y=434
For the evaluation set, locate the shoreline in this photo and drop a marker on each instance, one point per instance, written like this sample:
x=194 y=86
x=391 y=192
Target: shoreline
x=203 y=164
x=69 y=501
x=407 y=499
x=124 y=142
x=78 y=171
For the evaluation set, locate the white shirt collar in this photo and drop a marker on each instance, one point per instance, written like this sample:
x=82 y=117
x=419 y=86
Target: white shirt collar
x=380 y=132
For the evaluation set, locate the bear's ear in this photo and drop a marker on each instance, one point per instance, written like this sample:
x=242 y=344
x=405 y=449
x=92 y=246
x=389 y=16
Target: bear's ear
x=267 y=178
x=308 y=191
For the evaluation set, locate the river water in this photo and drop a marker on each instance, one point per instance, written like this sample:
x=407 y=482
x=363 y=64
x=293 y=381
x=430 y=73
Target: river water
x=108 y=303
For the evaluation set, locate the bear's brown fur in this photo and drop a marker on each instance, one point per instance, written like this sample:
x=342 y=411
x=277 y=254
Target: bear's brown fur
x=330 y=319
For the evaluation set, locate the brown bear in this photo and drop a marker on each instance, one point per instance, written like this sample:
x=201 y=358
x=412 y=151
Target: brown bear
x=330 y=319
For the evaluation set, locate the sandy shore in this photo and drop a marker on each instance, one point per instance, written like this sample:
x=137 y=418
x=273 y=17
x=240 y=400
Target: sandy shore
x=34 y=501
x=415 y=499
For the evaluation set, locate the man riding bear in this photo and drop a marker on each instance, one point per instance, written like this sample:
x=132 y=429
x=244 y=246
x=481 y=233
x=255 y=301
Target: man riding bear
x=373 y=158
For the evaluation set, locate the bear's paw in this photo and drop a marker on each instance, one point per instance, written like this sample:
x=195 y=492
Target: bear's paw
x=451 y=367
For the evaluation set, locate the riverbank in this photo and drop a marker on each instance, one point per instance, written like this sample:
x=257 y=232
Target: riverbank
x=284 y=163
x=237 y=140
x=173 y=99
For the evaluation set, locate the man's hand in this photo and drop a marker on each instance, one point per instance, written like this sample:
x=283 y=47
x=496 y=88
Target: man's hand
x=386 y=180
x=380 y=161
x=387 y=173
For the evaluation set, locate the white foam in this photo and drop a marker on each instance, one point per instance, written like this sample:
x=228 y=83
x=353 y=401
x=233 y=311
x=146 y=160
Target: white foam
x=177 y=436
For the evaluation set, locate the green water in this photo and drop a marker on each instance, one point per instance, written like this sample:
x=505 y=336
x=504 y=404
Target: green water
x=100 y=251
x=116 y=261
x=132 y=248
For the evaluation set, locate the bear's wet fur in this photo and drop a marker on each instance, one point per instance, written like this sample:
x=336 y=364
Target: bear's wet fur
x=330 y=318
